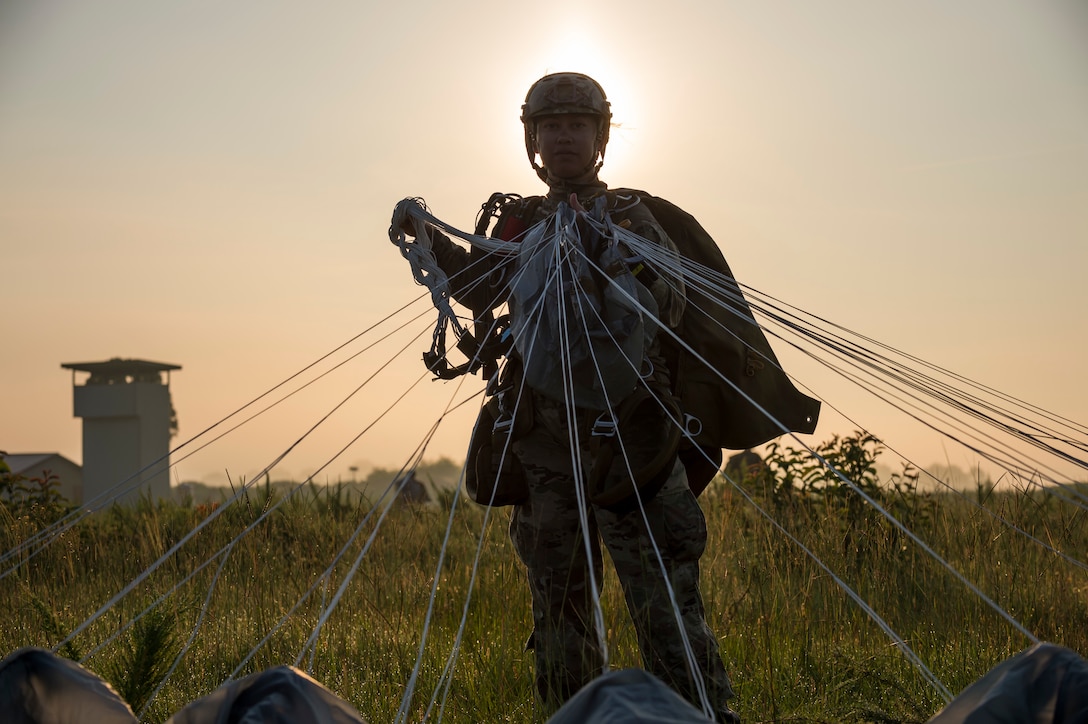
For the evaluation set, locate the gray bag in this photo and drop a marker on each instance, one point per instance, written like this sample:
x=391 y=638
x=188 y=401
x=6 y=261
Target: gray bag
x=581 y=321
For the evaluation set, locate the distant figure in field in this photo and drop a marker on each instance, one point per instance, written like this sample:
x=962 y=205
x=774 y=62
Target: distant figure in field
x=412 y=490
x=744 y=465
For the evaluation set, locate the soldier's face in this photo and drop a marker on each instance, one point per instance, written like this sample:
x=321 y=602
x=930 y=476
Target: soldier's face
x=567 y=144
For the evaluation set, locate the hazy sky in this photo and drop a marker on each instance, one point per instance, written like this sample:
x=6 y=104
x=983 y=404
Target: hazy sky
x=209 y=184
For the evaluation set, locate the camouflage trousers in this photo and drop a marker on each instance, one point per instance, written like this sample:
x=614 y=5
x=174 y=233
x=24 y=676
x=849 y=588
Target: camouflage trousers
x=548 y=537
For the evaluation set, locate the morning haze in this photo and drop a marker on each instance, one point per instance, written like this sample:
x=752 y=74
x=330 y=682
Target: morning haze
x=210 y=185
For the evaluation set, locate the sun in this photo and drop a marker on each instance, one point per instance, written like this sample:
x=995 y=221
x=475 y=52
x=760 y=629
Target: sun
x=581 y=49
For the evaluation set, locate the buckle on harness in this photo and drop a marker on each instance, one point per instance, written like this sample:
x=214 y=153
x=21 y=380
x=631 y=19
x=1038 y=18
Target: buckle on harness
x=693 y=426
x=503 y=426
x=440 y=368
x=604 y=426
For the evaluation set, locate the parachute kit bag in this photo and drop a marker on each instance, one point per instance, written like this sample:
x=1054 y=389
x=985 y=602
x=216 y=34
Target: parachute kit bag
x=493 y=474
x=647 y=426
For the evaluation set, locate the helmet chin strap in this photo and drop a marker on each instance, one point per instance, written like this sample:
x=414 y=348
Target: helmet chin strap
x=565 y=185
x=590 y=170
x=588 y=174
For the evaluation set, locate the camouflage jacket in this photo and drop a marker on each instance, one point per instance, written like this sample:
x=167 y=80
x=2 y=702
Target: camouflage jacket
x=725 y=373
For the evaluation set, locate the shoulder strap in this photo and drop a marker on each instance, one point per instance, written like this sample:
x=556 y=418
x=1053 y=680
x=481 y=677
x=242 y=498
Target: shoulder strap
x=515 y=215
x=490 y=340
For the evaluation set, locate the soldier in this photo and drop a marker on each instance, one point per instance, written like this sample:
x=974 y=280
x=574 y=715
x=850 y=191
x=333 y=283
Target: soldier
x=655 y=542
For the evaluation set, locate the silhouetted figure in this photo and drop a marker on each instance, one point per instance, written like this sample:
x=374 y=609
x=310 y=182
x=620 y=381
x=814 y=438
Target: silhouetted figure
x=412 y=490
x=744 y=465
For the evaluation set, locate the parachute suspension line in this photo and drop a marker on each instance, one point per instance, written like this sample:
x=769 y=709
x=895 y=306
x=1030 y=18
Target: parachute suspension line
x=442 y=687
x=999 y=456
x=347 y=579
x=567 y=238
x=410 y=687
x=996 y=457
x=143 y=575
x=694 y=668
x=897 y=640
x=324 y=581
x=192 y=634
x=898 y=524
x=413 y=210
x=564 y=261
x=311 y=641
x=900 y=403
x=42 y=539
x=950 y=489
x=853 y=486
x=224 y=553
x=445 y=679
x=427 y=272
x=1079 y=427
x=424 y=265
x=971 y=404
x=158 y=601
x=881 y=367
x=324 y=577
x=925 y=547
x=860 y=360
x=327 y=372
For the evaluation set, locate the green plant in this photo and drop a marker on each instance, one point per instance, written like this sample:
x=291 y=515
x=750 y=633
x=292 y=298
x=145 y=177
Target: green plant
x=37 y=499
x=797 y=646
x=146 y=654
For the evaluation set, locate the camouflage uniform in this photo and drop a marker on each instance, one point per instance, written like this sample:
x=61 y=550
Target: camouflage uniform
x=546 y=530
x=547 y=535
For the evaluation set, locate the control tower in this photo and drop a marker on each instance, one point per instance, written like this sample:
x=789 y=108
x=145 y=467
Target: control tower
x=127 y=423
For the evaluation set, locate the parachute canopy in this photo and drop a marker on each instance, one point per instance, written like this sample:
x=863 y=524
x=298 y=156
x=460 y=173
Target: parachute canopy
x=1046 y=684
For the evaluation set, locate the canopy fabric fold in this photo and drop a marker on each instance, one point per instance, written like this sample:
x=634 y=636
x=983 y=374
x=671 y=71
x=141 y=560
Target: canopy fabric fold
x=39 y=687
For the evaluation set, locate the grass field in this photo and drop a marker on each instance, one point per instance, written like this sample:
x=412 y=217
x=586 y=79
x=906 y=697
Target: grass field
x=798 y=648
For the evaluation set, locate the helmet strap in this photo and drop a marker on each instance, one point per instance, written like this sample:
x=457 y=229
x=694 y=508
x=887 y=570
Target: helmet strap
x=542 y=173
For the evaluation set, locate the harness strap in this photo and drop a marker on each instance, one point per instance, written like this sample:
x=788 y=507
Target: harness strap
x=639 y=411
x=492 y=339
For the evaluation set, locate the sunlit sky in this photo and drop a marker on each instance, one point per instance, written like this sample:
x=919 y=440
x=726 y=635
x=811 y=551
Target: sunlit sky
x=209 y=184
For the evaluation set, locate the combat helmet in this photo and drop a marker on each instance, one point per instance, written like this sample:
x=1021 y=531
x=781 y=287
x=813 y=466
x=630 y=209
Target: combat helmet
x=561 y=93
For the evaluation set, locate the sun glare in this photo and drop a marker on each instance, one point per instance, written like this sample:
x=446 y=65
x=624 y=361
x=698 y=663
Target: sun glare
x=582 y=51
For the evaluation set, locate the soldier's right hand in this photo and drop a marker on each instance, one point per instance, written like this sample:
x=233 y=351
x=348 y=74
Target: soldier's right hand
x=402 y=218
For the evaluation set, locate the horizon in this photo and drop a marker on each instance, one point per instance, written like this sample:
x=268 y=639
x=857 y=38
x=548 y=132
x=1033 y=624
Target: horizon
x=211 y=186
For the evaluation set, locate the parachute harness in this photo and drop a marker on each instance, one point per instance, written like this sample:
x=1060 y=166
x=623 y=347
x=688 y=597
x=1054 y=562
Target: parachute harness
x=491 y=340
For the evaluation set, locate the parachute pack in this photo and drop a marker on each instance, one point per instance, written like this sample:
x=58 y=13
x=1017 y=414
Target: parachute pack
x=580 y=320
x=582 y=323
x=724 y=372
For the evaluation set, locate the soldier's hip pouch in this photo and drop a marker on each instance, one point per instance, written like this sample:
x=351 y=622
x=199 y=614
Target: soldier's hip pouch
x=646 y=426
x=493 y=474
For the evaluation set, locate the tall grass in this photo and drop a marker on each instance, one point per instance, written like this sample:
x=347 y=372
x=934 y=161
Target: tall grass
x=798 y=648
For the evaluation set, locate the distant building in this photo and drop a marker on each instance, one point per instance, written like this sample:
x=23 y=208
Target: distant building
x=128 y=420
x=39 y=465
